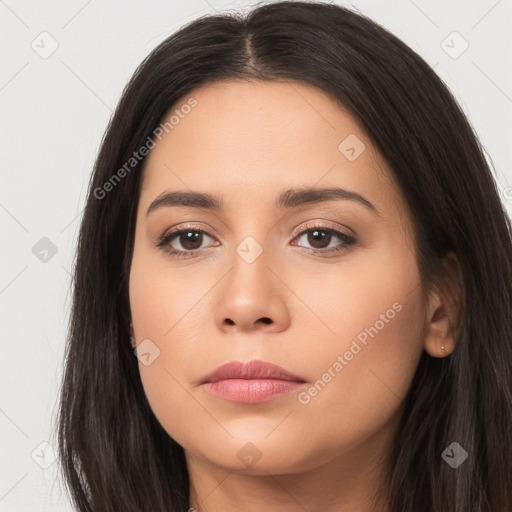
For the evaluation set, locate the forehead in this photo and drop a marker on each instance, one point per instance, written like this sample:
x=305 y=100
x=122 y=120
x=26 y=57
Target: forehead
x=264 y=137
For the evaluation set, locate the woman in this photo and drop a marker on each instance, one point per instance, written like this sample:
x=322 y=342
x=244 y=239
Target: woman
x=293 y=222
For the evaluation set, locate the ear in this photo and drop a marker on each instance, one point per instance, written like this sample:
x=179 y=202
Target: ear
x=445 y=310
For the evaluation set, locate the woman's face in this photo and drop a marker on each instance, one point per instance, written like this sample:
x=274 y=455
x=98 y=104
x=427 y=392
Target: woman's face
x=328 y=289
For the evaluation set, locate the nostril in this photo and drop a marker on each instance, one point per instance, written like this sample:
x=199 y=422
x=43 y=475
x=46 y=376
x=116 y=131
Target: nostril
x=266 y=320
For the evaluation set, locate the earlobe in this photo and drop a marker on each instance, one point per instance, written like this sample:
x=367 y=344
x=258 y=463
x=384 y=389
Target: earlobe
x=444 y=310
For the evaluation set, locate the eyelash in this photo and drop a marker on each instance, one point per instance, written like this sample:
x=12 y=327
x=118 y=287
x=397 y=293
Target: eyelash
x=166 y=238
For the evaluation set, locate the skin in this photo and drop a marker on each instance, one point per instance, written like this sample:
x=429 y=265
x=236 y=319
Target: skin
x=246 y=142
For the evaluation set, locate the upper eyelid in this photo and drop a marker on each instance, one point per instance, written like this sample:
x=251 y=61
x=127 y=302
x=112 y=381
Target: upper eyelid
x=323 y=225
x=299 y=231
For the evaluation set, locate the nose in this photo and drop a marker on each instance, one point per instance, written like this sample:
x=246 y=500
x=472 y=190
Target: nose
x=252 y=297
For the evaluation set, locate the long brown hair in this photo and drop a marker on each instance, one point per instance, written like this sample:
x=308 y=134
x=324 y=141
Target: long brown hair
x=114 y=453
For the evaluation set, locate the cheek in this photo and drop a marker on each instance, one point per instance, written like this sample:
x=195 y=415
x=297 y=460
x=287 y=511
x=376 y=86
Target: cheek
x=164 y=374
x=168 y=313
x=363 y=371
x=164 y=301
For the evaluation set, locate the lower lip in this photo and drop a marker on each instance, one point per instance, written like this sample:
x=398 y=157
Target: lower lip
x=251 y=391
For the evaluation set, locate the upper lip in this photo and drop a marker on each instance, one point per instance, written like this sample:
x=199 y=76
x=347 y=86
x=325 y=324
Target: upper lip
x=255 y=369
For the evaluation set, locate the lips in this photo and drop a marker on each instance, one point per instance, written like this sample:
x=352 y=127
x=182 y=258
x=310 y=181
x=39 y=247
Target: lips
x=255 y=369
x=251 y=382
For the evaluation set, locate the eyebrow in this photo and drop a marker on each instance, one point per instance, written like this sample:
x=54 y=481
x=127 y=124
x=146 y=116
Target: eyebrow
x=287 y=199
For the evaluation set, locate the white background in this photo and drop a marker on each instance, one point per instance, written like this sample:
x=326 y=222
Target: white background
x=53 y=114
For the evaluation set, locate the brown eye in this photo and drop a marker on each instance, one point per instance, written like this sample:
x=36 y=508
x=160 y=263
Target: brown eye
x=189 y=240
x=184 y=242
x=320 y=238
x=317 y=238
